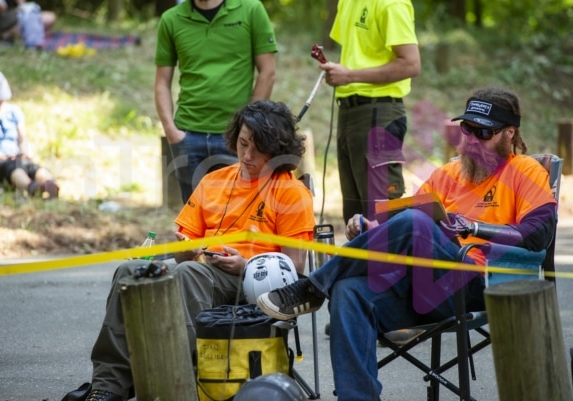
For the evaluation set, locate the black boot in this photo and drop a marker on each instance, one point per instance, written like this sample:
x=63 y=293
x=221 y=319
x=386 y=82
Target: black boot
x=103 y=395
x=80 y=394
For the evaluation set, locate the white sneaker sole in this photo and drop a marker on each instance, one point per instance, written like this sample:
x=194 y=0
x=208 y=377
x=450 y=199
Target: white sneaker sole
x=270 y=308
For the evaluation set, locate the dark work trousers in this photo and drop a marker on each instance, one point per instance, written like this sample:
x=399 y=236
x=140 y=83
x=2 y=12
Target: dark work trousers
x=369 y=150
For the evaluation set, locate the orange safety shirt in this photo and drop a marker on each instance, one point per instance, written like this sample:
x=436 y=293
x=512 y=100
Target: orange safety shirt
x=518 y=187
x=225 y=203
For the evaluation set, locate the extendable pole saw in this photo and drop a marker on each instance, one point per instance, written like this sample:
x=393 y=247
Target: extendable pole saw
x=317 y=54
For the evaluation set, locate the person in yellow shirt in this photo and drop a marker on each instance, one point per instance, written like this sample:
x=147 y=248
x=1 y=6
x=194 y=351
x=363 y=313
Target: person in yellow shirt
x=492 y=194
x=379 y=57
x=258 y=193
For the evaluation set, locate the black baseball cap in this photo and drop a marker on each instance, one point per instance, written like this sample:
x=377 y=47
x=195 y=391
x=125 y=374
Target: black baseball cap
x=488 y=114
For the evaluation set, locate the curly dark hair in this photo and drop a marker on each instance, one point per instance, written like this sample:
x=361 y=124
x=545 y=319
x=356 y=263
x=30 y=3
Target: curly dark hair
x=509 y=101
x=274 y=132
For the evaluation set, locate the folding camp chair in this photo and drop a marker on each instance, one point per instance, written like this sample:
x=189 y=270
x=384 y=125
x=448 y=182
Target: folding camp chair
x=462 y=323
x=312 y=394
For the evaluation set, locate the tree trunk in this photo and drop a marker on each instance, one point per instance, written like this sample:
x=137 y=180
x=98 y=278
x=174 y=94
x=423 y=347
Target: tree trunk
x=331 y=6
x=115 y=10
x=458 y=10
x=478 y=11
x=162 y=5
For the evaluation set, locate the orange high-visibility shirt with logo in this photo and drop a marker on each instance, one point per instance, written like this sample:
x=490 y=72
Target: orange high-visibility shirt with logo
x=510 y=193
x=225 y=203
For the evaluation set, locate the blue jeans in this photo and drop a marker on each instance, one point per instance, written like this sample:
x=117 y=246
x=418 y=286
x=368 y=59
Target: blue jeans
x=196 y=155
x=369 y=297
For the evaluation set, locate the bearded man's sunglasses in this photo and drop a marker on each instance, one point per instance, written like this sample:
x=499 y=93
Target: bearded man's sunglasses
x=484 y=134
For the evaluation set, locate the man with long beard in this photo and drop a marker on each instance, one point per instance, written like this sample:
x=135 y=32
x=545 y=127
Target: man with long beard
x=490 y=193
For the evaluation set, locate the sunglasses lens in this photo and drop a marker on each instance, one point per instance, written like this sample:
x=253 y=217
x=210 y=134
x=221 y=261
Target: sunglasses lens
x=481 y=133
x=466 y=130
x=484 y=133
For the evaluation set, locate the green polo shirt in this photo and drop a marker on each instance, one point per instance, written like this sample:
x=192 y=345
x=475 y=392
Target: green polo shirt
x=216 y=59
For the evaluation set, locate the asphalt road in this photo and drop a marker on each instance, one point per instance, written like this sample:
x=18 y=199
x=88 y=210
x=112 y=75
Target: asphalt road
x=49 y=321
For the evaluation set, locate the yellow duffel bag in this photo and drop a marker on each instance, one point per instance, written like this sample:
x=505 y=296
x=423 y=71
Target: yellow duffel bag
x=235 y=344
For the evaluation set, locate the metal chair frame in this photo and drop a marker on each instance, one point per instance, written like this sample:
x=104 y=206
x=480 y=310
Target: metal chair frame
x=312 y=394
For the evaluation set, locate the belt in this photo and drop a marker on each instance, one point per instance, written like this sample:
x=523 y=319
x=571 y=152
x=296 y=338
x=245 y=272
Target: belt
x=357 y=100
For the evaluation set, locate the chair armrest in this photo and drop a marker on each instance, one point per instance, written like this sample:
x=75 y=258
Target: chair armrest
x=508 y=257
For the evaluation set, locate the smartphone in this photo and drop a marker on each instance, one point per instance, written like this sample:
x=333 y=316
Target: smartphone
x=211 y=254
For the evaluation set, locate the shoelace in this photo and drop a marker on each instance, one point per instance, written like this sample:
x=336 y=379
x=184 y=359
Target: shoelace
x=98 y=395
x=291 y=296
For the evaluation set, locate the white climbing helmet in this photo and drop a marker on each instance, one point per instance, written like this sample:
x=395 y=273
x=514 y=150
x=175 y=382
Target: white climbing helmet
x=266 y=272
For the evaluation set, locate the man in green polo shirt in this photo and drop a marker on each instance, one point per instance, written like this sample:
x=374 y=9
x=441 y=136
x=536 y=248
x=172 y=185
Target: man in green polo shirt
x=217 y=45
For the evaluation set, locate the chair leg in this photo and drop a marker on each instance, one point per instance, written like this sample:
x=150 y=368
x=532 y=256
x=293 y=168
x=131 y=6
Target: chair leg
x=315 y=356
x=312 y=395
x=433 y=390
x=571 y=354
x=316 y=393
x=304 y=386
x=462 y=346
x=471 y=358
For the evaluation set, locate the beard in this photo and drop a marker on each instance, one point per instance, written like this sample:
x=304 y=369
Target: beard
x=480 y=162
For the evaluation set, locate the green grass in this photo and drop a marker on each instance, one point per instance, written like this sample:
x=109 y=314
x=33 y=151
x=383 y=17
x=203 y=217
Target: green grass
x=73 y=103
x=92 y=121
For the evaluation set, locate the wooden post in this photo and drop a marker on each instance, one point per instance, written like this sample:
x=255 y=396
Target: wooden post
x=565 y=145
x=115 y=10
x=527 y=341
x=307 y=164
x=442 y=58
x=451 y=138
x=157 y=339
x=171 y=191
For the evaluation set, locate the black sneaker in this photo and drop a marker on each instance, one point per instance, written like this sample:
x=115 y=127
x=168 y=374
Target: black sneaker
x=288 y=302
x=103 y=395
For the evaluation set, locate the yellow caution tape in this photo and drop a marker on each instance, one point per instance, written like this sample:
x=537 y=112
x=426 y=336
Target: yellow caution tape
x=179 y=246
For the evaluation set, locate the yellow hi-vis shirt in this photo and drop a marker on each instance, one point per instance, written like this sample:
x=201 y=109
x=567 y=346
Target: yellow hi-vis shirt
x=367 y=30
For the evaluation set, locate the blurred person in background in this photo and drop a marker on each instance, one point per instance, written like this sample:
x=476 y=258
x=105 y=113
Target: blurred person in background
x=17 y=169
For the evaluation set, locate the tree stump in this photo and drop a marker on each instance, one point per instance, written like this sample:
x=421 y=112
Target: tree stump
x=157 y=339
x=527 y=341
x=452 y=137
